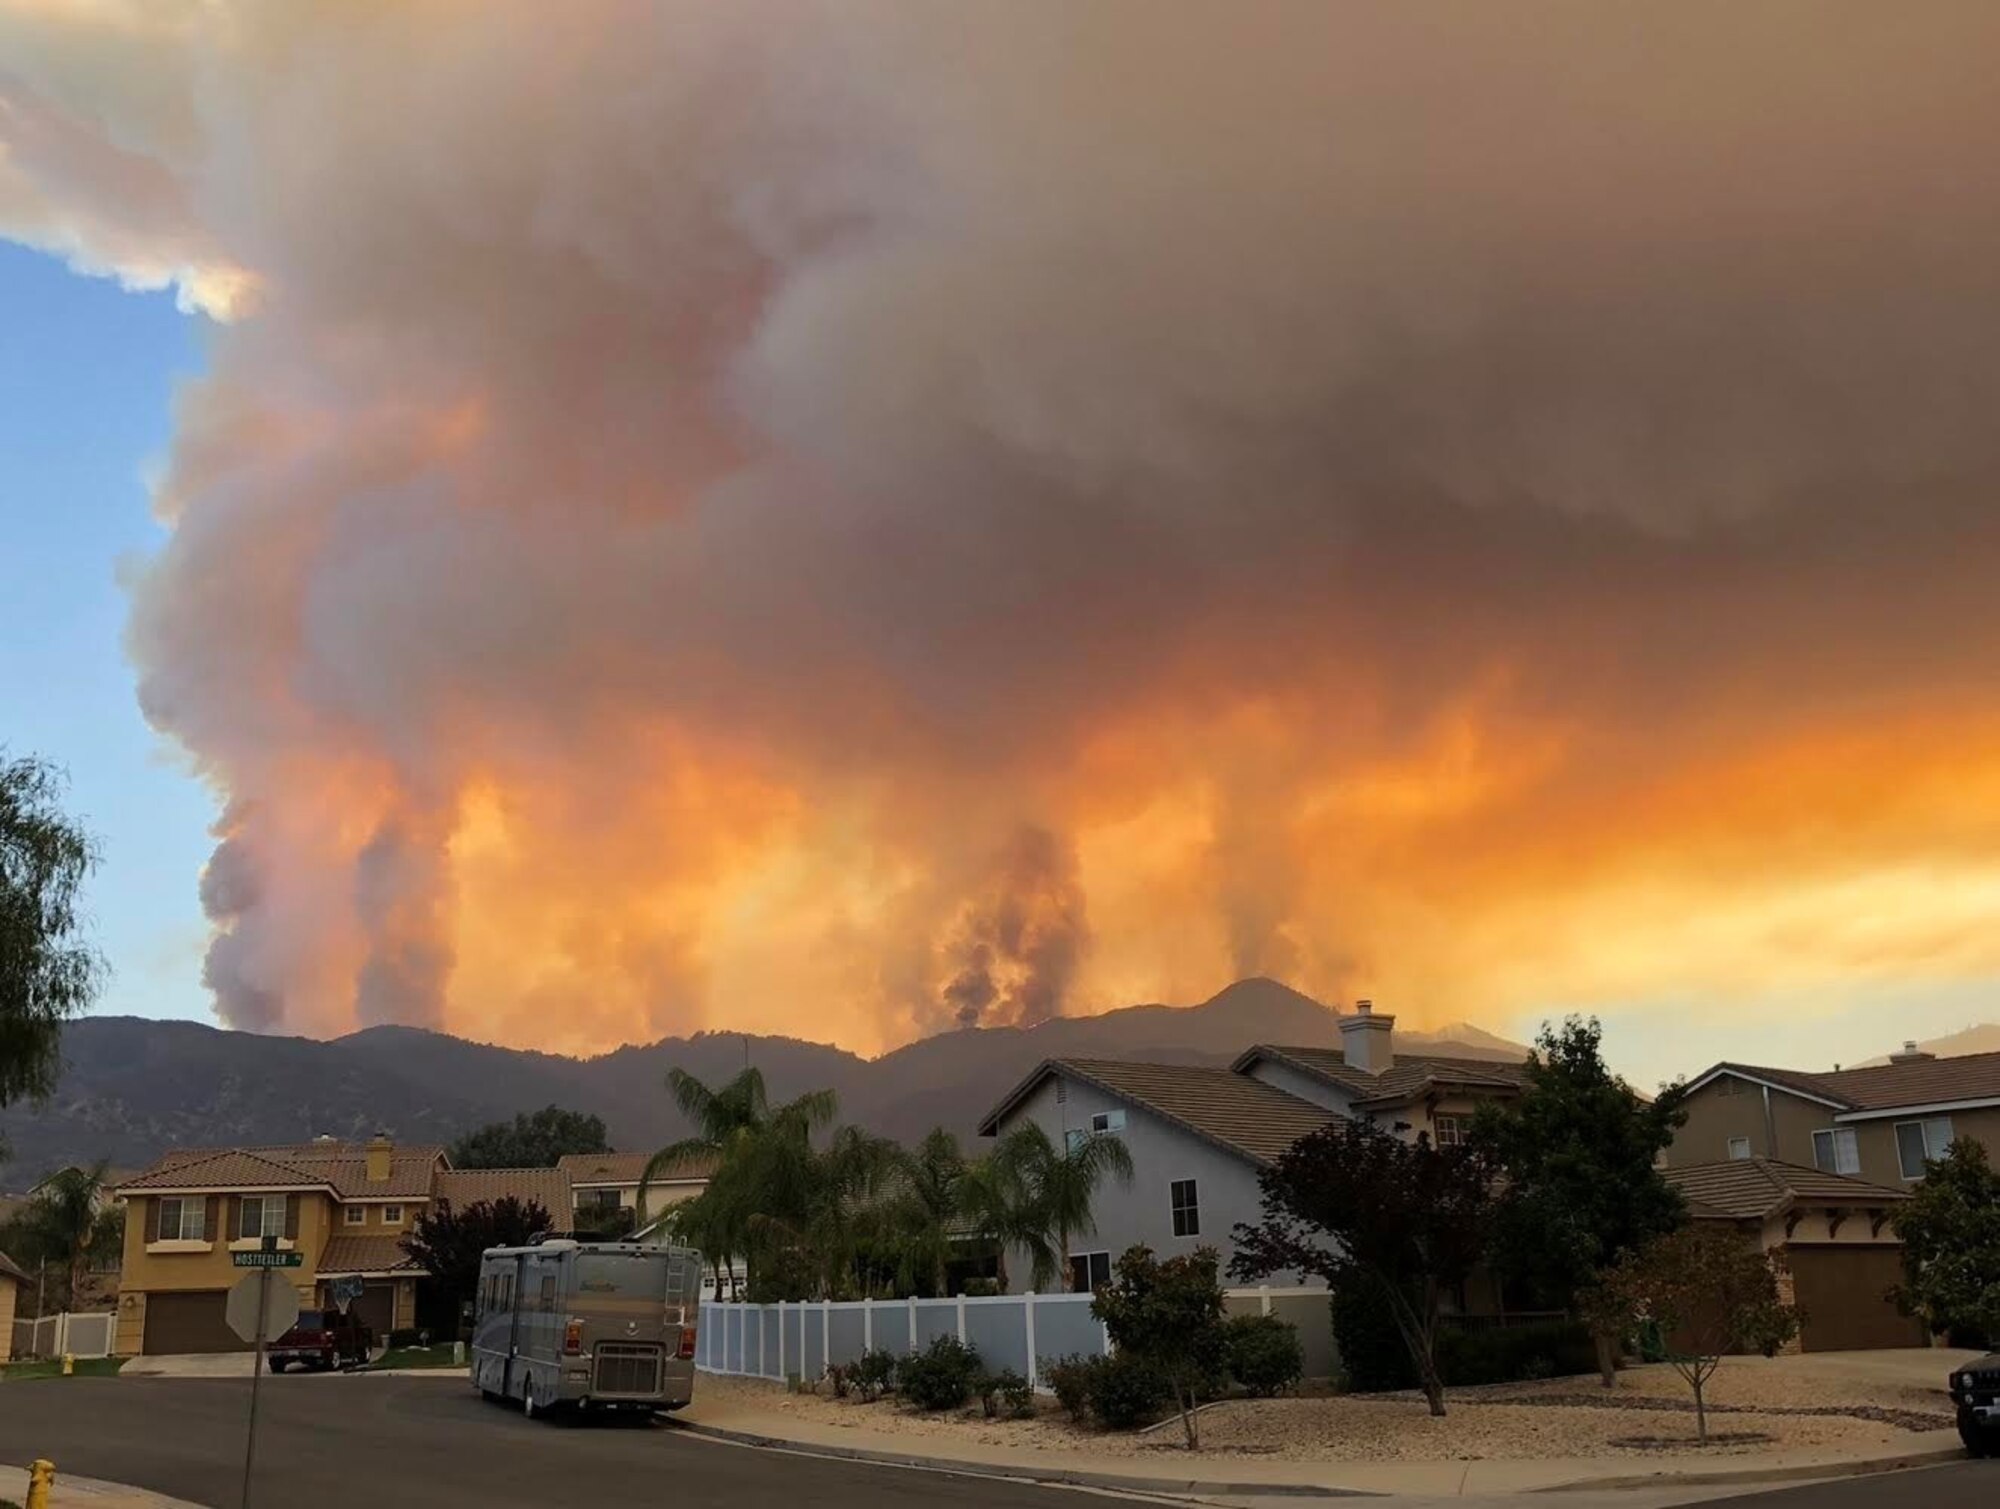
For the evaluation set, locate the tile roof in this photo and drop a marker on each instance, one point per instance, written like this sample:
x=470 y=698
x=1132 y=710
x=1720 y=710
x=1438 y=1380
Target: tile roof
x=1889 y=1087
x=1409 y=1077
x=376 y=1254
x=341 y=1165
x=9 y=1270
x=626 y=1168
x=1243 y=1115
x=1751 y=1188
x=467 y=1186
x=235 y=1169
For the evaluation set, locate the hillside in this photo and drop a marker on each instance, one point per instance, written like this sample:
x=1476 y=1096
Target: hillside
x=134 y=1086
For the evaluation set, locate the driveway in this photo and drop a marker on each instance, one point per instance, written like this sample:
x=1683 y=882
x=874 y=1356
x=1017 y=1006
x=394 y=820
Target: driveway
x=422 y=1443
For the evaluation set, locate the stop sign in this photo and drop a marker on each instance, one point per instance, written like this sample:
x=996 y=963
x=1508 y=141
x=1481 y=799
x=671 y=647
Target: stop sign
x=262 y=1306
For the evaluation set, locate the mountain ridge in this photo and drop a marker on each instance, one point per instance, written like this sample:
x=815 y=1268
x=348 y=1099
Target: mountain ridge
x=133 y=1086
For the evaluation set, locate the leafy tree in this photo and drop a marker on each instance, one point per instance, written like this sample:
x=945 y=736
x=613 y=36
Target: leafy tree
x=1168 y=1314
x=48 y=973
x=927 y=1210
x=996 y=1203
x=1710 y=1292
x=448 y=1243
x=534 y=1140
x=1951 y=1243
x=1577 y=1153
x=69 y=1225
x=1359 y=1206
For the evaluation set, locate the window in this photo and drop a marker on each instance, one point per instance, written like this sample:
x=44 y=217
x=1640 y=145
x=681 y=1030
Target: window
x=1739 y=1147
x=1089 y=1271
x=392 y=1215
x=355 y=1215
x=1921 y=1142
x=1448 y=1131
x=1187 y=1211
x=1836 y=1152
x=260 y=1216
x=598 y=1199
x=548 y=1300
x=181 y=1220
x=1107 y=1121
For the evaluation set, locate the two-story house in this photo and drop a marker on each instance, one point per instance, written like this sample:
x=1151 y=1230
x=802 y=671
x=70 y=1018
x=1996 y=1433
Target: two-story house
x=1200 y=1136
x=1880 y=1124
x=605 y=1190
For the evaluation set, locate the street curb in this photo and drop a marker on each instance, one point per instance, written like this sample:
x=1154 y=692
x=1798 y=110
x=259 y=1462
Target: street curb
x=1129 y=1482
x=1749 y=1476
x=1060 y=1476
x=71 y=1488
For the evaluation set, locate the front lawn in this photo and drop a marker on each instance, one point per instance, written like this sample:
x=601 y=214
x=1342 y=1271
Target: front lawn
x=86 y=1367
x=413 y=1357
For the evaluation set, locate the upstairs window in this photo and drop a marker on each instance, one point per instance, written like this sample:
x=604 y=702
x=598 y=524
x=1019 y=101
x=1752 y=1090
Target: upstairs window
x=1450 y=1131
x=355 y=1215
x=259 y=1216
x=1186 y=1207
x=392 y=1215
x=181 y=1220
x=1922 y=1142
x=1107 y=1121
x=1835 y=1151
x=1739 y=1147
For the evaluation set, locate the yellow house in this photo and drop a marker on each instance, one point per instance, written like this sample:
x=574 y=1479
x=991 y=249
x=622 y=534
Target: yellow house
x=342 y=1206
x=12 y=1280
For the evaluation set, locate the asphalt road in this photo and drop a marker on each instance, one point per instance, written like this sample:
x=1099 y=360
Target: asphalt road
x=335 y=1442
x=1958 y=1485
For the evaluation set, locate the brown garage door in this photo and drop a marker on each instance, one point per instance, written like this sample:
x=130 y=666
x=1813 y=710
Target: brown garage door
x=376 y=1309
x=1841 y=1290
x=188 y=1323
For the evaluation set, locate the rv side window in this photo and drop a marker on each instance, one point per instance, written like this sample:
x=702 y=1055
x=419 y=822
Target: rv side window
x=548 y=1293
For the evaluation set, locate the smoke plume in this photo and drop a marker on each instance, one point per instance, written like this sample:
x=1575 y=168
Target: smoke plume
x=770 y=514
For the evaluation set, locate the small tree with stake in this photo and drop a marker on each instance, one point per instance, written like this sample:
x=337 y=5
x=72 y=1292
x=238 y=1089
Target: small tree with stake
x=1710 y=1292
x=1170 y=1315
x=1359 y=1206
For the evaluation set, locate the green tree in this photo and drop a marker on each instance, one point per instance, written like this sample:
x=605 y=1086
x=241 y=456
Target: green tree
x=1709 y=1290
x=534 y=1140
x=447 y=1243
x=1577 y=1154
x=1951 y=1243
x=48 y=973
x=1058 y=1186
x=1168 y=1314
x=1358 y=1206
x=996 y=1204
x=928 y=1211
x=69 y=1224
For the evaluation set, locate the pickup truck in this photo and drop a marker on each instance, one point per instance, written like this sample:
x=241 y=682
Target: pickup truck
x=323 y=1340
x=1975 y=1389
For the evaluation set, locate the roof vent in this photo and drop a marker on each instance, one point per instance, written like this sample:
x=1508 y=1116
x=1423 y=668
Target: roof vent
x=1911 y=1054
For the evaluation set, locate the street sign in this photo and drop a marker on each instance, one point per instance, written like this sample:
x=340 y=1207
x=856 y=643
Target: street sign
x=267 y=1259
x=346 y=1291
x=257 y=1296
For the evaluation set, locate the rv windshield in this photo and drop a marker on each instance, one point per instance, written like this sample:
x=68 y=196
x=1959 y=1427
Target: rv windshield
x=621 y=1275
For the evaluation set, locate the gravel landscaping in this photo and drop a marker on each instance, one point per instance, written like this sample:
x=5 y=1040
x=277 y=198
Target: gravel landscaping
x=1759 y=1406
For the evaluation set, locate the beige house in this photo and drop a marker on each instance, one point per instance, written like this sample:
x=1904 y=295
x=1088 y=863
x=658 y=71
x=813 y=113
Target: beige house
x=1880 y=1124
x=12 y=1282
x=1833 y=1238
x=601 y=1183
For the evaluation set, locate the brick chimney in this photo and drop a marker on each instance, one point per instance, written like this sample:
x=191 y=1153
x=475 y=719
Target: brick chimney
x=1368 y=1040
x=380 y=1156
x=1911 y=1054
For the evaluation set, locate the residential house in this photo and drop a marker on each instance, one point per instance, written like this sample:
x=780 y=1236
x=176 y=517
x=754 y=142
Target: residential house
x=1832 y=1236
x=603 y=1185
x=13 y=1283
x=1880 y=1124
x=1199 y=1137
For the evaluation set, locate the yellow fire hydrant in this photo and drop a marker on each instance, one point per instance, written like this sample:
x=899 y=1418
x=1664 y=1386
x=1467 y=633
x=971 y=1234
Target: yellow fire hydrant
x=40 y=1476
x=69 y=1365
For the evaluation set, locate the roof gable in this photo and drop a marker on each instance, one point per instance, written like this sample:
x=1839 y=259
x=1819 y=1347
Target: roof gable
x=1748 y=1189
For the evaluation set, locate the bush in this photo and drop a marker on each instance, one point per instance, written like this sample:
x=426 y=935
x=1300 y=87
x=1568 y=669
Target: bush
x=1069 y=1380
x=941 y=1376
x=873 y=1373
x=1373 y=1356
x=1005 y=1390
x=840 y=1379
x=1126 y=1391
x=1509 y=1354
x=409 y=1336
x=1263 y=1354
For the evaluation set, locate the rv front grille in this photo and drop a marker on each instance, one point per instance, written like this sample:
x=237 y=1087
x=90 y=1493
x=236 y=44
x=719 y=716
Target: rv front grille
x=625 y=1367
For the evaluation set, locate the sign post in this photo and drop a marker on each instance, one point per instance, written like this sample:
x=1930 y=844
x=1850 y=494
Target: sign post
x=260 y=1312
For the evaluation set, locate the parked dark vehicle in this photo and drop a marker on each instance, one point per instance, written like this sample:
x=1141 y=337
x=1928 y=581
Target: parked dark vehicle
x=322 y=1340
x=1975 y=1389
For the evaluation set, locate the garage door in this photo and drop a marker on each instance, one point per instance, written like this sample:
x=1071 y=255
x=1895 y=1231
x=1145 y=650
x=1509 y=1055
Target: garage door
x=1841 y=1290
x=376 y=1309
x=188 y=1323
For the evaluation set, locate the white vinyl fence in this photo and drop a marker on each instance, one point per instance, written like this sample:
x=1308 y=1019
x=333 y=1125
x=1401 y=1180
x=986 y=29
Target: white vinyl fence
x=65 y=1335
x=1018 y=1331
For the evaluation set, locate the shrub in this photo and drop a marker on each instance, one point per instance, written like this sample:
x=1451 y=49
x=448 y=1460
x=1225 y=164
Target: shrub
x=1373 y=1355
x=1126 y=1391
x=840 y=1379
x=1263 y=1354
x=873 y=1373
x=1069 y=1380
x=1005 y=1391
x=941 y=1376
x=409 y=1336
x=1508 y=1354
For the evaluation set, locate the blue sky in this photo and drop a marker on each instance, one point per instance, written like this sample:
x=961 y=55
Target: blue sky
x=87 y=373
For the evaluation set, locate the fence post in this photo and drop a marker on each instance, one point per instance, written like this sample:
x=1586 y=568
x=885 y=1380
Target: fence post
x=826 y=1333
x=1263 y=1299
x=867 y=1322
x=1028 y=1319
x=742 y=1337
x=913 y=1325
x=781 y=1338
x=961 y=1320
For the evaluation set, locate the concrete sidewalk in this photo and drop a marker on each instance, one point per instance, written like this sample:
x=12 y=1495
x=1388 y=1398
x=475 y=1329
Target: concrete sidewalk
x=88 y=1493
x=1218 y=1475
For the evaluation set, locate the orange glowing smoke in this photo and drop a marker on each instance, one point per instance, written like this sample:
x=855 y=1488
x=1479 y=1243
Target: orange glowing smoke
x=845 y=522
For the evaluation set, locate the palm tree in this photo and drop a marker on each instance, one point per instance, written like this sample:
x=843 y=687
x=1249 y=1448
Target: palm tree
x=1060 y=1184
x=929 y=1210
x=68 y=1222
